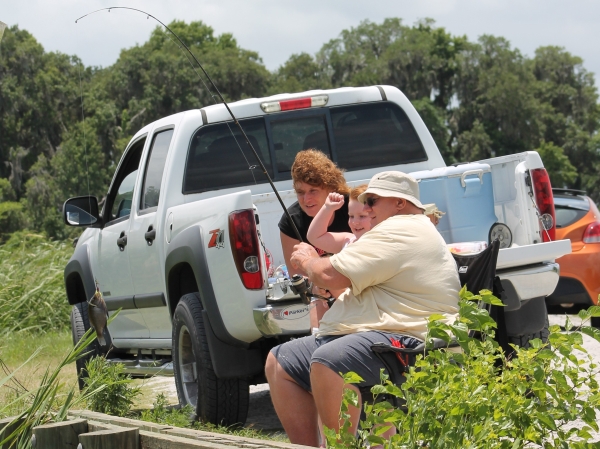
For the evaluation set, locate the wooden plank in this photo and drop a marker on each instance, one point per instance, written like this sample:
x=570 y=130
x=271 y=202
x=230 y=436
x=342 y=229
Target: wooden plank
x=231 y=440
x=117 y=421
x=110 y=439
x=150 y=440
x=58 y=435
x=6 y=428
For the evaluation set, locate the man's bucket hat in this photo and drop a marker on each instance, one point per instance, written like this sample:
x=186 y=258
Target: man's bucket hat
x=393 y=184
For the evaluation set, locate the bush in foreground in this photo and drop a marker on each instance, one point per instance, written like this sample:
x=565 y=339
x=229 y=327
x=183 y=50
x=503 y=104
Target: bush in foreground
x=544 y=396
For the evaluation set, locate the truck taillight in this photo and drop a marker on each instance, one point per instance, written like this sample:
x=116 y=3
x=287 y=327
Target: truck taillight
x=592 y=233
x=544 y=199
x=295 y=103
x=245 y=249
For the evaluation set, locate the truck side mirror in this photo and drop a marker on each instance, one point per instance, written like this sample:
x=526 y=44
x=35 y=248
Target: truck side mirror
x=81 y=211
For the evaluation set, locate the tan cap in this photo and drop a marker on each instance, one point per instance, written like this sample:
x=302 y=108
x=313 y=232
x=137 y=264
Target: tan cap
x=393 y=184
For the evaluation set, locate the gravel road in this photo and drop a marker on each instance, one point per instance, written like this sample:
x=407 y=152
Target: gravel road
x=261 y=414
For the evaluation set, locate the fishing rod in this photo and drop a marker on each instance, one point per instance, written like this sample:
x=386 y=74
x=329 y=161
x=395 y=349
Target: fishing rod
x=214 y=86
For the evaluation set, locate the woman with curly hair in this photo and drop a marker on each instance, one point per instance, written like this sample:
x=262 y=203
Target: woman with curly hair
x=314 y=177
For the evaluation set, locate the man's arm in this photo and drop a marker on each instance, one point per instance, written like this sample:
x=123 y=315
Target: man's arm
x=319 y=269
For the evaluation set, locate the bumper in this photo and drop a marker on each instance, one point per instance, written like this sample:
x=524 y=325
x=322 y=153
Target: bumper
x=582 y=266
x=528 y=283
x=282 y=319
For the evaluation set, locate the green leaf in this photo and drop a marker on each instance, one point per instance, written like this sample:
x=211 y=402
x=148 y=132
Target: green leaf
x=352 y=378
x=591 y=331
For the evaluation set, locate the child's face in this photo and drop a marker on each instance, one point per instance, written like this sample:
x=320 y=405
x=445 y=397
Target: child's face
x=359 y=217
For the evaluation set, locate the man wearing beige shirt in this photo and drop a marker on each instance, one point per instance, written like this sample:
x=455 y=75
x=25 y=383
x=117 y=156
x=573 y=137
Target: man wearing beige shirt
x=396 y=276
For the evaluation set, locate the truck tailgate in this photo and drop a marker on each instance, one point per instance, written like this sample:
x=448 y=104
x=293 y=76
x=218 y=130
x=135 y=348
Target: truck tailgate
x=532 y=254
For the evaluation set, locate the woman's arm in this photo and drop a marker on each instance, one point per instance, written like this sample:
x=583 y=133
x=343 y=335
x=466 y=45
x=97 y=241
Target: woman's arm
x=317 y=235
x=287 y=244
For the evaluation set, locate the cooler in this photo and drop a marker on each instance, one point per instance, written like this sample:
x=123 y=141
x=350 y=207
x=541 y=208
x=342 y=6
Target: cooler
x=465 y=194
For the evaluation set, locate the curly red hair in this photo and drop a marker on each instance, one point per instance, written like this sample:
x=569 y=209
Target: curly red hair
x=355 y=191
x=313 y=167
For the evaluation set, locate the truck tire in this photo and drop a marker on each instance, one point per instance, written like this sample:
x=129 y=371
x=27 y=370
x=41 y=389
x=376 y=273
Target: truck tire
x=217 y=401
x=523 y=340
x=80 y=323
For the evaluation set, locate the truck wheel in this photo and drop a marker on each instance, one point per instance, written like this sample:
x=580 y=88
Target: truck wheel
x=218 y=401
x=523 y=340
x=80 y=323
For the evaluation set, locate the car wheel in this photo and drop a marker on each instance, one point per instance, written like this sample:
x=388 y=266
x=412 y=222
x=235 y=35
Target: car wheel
x=218 y=401
x=80 y=323
x=523 y=340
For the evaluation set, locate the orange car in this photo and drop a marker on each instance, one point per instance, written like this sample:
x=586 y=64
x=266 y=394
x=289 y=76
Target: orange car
x=577 y=219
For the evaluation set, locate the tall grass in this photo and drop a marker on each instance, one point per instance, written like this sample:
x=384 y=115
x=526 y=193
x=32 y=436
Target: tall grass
x=32 y=292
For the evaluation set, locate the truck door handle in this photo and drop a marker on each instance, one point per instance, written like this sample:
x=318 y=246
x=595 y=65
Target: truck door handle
x=122 y=241
x=150 y=235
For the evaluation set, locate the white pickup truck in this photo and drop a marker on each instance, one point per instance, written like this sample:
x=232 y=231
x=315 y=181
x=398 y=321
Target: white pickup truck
x=187 y=241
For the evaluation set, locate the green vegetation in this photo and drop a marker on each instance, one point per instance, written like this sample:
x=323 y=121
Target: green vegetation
x=479 y=99
x=481 y=398
x=32 y=291
x=162 y=413
x=47 y=401
x=117 y=394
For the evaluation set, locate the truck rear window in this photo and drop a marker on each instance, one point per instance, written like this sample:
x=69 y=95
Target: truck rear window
x=375 y=134
x=356 y=137
x=219 y=156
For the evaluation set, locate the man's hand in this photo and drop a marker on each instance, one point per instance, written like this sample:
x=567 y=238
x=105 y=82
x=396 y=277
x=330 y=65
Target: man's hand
x=319 y=269
x=302 y=253
x=334 y=201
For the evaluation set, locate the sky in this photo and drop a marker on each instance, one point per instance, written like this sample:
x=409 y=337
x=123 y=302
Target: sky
x=277 y=29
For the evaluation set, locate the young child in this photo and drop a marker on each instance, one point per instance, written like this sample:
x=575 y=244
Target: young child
x=359 y=220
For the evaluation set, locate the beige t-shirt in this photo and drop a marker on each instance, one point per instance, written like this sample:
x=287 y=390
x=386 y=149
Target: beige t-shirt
x=401 y=273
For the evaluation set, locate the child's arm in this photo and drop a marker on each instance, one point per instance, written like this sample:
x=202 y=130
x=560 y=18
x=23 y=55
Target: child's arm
x=332 y=242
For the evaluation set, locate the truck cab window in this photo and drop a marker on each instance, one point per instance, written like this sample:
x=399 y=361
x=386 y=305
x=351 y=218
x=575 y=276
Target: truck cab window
x=120 y=197
x=219 y=157
x=296 y=134
x=373 y=135
x=154 y=169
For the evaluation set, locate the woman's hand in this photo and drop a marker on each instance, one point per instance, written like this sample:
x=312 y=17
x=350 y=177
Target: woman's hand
x=334 y=201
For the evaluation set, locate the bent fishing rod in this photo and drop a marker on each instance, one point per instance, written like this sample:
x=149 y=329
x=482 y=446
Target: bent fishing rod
x=214 y=86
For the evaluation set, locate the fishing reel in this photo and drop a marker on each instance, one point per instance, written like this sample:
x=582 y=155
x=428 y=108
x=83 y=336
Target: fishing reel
x=302 y=287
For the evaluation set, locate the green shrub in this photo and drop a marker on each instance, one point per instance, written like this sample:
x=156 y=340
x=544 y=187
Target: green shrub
x=6 y=191
x=117 y=394
x=32 y=290
x=482 y=399
x=12 y=219
x=161 y=413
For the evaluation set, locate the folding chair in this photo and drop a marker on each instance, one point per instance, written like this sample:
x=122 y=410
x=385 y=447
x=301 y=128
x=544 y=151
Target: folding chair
x=478 y=272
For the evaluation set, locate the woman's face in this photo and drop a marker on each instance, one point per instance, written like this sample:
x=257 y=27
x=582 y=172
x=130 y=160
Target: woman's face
x=359 y=218
x=310 y=198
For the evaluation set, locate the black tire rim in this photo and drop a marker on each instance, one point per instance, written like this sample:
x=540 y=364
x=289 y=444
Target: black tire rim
x=187 y=366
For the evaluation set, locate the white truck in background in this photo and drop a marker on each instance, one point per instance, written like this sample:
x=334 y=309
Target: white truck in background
x=189 y=227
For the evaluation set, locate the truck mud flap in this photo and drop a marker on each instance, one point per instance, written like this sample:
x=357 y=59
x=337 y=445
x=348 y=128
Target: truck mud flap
x=231 y=362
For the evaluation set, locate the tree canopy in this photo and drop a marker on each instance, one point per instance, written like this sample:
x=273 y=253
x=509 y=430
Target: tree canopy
x=63 y=126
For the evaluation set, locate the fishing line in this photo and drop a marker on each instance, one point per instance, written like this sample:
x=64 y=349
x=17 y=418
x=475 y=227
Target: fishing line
x=250 y=167
x=235 y=120
x=85 y=157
